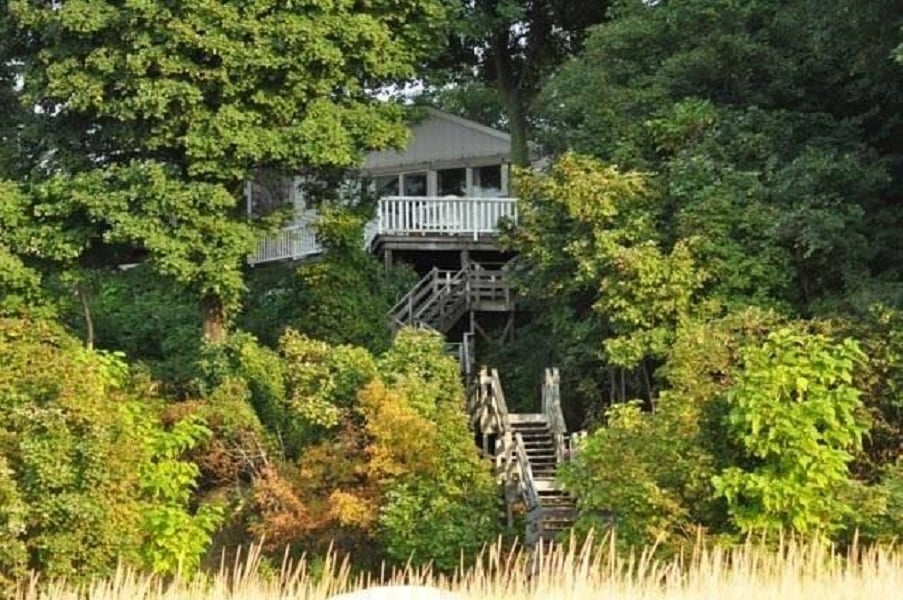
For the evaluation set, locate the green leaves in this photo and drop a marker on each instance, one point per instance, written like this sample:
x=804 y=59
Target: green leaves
x=89 y=477
x=798 y=417
x=156 y=114
x=174 y=537
x=588 y=229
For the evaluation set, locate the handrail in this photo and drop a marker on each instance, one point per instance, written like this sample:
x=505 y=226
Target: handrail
x=467 y=354
x=527 y=481
x=444 y=283
x=454 y=215
x=551 y=407
x=406 y=300
x=431 y=293
x=487 y=406
x=499 y=395
x=292 y=242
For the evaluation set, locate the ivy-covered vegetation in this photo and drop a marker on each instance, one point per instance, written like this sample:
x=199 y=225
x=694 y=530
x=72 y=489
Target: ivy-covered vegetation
x=711 y=254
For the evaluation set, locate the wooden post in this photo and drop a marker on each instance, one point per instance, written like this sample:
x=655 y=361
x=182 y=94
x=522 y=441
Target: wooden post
x=387 y=258
x=465 y=259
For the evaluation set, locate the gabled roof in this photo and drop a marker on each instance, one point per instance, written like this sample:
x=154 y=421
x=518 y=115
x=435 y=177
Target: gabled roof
x=444 y=139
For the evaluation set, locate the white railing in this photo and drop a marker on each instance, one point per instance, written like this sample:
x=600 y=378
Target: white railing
x=291 y=243
x=402 y=215
x=396 y=215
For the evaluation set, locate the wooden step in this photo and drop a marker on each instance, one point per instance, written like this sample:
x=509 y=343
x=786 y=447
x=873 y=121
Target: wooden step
x=528 y=419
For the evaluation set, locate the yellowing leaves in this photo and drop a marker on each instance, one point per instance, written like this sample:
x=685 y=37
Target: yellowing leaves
x=351 y=510
x=402 y=442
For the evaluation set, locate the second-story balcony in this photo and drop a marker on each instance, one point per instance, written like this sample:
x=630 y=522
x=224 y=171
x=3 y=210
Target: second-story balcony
x=455 y=216
x=398 y=217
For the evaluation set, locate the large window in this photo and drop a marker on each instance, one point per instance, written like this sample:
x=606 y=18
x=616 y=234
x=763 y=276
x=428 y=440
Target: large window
x=487 y=181
x=387 y=185
x=451 y=182
x=414 y=184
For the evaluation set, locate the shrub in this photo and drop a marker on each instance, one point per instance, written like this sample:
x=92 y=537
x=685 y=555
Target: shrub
x=88 y=474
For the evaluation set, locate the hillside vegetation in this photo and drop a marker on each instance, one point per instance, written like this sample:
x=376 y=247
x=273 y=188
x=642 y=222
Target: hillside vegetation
x=710 y=251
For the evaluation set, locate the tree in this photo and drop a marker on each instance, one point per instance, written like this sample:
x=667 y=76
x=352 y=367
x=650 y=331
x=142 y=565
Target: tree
x=588 y=239
x=513 y=45
x=156 y=114
x=774 y=126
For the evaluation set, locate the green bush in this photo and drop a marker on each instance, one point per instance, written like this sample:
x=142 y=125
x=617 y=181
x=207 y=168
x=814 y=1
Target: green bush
x=798 y=419
x=452 y=508
x=149 y=318
x=341 y=298
x=88 y=474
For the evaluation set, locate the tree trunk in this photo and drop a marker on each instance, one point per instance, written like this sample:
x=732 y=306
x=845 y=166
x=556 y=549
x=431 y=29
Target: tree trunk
x=86 y=309
x=214 y=320
x=512 y=97
x=517 y=127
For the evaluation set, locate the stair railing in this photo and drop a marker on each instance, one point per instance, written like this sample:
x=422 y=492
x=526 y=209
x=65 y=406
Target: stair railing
x=524 y=473
x=426 y=301
x=489 y=284
x=551 y=407
x=403 y=310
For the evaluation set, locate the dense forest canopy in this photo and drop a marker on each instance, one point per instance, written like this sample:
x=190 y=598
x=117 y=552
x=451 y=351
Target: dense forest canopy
x=710 y=251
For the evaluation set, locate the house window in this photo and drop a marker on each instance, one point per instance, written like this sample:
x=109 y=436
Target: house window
x=414 y=184
x=387 y=185
x=269 y=191
x=487 y=181
x=451 y=182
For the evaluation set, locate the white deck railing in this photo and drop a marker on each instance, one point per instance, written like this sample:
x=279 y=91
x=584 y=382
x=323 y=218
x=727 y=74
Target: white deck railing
x=396 y=215
x=291 y=243
x=403 y=215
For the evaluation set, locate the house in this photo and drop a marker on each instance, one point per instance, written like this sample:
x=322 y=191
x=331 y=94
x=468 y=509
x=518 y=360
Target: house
x=445 y=194
x=441 y=201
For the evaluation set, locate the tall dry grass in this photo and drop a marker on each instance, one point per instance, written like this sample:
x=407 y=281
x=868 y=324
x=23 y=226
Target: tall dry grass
x=793 y=571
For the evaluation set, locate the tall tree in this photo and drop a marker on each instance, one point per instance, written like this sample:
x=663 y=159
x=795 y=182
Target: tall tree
x=774 y=126
x=513 y=46
x=157 y=112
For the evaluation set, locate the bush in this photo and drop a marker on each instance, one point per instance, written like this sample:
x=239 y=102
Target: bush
x=305 y=298
x=796 y=415
x=88 y=474
x=150 y=319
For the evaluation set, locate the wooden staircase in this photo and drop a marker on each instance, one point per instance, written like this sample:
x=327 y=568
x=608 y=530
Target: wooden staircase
x=528 y=449
x=442 y=297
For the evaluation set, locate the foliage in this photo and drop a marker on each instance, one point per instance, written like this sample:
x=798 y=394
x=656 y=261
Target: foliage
x=755 y=431
x=149 y=318
x=797 y=415
x=649 y=473
x=87 y=463
x=771 y=176
x=781 y=172
x=500 y=53
x=18 y=284
x=880 y=334
x=591 y=253
x=13 y=516
x=322 y=380
x=174 y=539
x=157 y=114
x=304 y=297
x=399 y=468
x=628 y=475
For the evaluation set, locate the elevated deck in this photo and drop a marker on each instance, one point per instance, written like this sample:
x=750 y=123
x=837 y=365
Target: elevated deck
x=405 y=223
